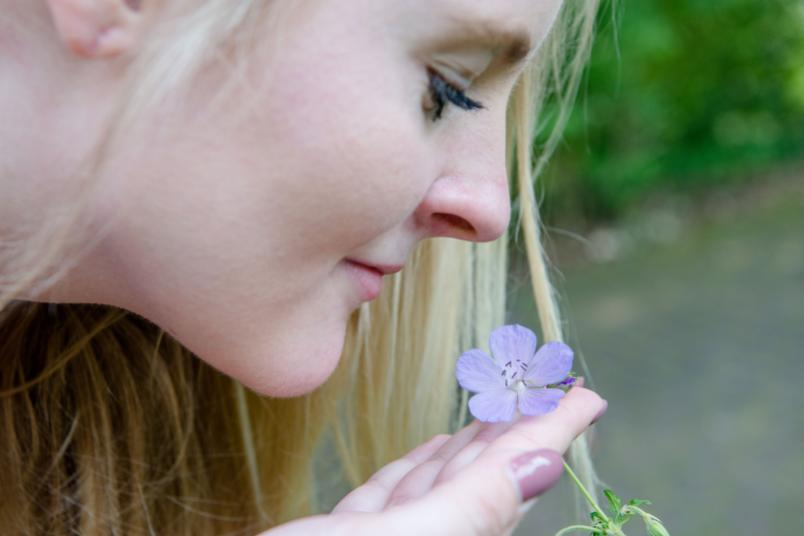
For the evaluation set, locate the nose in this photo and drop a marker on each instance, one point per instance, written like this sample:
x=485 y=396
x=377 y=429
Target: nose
x=470 y=200
x=466 y=207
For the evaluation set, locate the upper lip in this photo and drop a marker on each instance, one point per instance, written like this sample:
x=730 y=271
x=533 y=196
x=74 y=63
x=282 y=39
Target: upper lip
x=385 y=269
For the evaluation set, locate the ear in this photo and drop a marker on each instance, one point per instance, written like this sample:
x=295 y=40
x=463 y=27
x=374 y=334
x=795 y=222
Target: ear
x=96 y=28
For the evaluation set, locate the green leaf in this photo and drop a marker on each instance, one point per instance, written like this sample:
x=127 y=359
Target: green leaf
x=654 y=525
x=638 y=502
x=615 y=501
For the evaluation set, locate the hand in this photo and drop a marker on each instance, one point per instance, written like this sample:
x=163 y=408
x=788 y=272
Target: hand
x=461 y=484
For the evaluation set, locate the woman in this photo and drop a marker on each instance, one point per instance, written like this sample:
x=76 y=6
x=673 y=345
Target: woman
x=202 y=194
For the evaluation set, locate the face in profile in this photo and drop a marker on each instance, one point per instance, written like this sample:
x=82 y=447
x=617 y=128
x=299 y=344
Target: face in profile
x=236 y=237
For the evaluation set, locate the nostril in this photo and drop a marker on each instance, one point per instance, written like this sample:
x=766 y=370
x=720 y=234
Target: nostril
x=453 y=222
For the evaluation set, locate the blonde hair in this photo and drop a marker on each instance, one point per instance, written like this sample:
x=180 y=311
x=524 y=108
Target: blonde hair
x=112 y=426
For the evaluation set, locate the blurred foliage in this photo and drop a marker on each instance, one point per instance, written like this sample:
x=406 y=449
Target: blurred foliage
x=680 y=95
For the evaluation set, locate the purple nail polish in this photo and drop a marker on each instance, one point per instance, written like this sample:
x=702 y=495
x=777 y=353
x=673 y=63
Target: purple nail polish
x=601 y=412
x=536 y=472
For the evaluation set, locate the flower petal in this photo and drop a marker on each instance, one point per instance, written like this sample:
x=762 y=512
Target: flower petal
x=494 y=406
x=512 y=342
x=551 y=364
x=539 y=401
x=477 y=372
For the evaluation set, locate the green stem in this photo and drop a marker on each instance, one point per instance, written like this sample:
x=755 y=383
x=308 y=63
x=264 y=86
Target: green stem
x=574 y=527
x=585 y=492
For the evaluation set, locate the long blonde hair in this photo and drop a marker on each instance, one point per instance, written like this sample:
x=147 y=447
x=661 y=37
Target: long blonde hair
x=111 y=426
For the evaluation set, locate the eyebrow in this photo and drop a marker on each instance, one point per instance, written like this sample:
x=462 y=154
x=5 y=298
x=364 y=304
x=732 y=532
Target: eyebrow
x=513 y=44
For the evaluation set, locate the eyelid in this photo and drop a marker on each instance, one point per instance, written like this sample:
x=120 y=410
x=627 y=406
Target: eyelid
x=461 y=76
x=467 y=61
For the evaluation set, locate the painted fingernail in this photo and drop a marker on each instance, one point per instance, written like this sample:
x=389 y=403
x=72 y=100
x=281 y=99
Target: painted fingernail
x=601 y=412
x=536 y=472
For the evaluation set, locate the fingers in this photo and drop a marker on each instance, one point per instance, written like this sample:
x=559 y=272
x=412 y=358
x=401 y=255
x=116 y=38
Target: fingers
x=555 y=430
x=462 y=449
x=372 y=496
x=465 y=458
x=485 y=496
x=469 y=441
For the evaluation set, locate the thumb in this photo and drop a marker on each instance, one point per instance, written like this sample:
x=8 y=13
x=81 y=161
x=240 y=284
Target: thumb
x=486 y=500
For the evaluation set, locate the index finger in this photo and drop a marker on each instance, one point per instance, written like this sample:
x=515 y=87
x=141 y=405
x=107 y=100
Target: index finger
x=484 y=497
x=555 y=430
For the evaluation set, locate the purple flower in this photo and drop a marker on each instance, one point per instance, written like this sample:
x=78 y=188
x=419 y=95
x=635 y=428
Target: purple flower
x=516 y=377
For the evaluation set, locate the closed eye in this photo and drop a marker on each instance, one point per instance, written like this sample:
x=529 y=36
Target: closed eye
x=442 y=93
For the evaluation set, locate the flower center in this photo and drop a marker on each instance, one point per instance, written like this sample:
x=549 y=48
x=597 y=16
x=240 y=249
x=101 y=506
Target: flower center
x=513 y=373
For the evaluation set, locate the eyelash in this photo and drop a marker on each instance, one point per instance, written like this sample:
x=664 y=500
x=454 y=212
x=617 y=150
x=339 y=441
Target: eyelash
x=442 y=93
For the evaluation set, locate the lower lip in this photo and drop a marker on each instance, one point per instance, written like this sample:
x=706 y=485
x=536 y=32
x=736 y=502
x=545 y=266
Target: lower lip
x=368 y=280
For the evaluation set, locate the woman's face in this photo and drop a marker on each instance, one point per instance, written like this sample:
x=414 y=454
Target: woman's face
x=235 y=237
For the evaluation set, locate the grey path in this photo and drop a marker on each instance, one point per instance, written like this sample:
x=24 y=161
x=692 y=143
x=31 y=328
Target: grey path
x=698 y=345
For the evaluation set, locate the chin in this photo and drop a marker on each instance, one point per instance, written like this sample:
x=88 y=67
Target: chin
x=281 y=378
x=288 y=387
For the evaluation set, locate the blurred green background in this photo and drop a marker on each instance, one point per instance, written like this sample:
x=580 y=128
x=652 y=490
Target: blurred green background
x=675 y=213
x=682 y=96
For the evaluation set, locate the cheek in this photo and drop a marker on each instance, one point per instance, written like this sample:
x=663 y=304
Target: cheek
x=233 y=250
x=348 y=132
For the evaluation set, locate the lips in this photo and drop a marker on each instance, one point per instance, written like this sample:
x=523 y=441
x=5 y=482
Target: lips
x=368 y=279
x=382 y=269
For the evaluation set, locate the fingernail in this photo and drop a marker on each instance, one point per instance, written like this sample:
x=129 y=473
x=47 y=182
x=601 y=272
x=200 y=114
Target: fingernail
x=579 y=381
x=536 y=472
x=601 y=412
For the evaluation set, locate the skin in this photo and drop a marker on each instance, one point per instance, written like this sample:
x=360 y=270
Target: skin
x=456 y=484
x=233 y=235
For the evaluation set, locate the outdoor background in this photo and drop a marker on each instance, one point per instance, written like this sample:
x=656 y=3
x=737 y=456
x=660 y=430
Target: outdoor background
x=675 y=209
